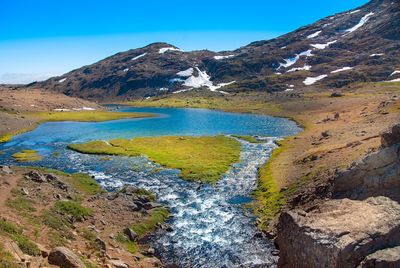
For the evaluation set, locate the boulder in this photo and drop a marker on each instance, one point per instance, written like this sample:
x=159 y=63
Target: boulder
x=6 y=170
x=101 y=244
x=338 y=233
x=35 y=176
x=131 y=234
x=65 y=258
x=118 y=264
x=385 y=258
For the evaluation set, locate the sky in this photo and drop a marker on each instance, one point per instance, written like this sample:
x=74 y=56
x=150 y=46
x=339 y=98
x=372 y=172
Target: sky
x=44 y=38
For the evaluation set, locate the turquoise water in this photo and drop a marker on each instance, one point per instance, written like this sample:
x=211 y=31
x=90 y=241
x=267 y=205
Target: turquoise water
x=210 y=226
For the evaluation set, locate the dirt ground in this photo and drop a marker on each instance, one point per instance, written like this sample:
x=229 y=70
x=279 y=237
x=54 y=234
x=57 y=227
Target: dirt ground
x=24 y=203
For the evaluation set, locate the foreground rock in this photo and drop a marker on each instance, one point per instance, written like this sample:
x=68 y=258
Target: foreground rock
x=340 y=233
x=65 y=258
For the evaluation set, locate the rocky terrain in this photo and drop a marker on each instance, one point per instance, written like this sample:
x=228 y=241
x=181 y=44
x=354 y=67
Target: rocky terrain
x=360 y=45
x=359 y=226
x=54 y=219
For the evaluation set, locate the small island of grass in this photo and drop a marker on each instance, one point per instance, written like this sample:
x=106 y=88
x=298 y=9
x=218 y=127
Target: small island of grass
x=27 y=156
x=203 y=159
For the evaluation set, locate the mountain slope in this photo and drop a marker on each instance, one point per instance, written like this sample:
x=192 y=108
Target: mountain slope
x=356 y=46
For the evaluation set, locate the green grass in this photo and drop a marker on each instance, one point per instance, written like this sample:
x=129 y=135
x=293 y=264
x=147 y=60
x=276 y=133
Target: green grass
x=247 y=138
x=72 y=208
x=203 y=159
x=86 y=116
x=6 y=259
x=27 y=156
x=157 y=216
x=129 y=245
x=6 y=137
x=268 y=195
x=21 y=204
x=80 y=181
x=15 y=233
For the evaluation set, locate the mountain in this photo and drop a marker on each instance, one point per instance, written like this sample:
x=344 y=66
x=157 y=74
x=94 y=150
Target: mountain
x=360 y=45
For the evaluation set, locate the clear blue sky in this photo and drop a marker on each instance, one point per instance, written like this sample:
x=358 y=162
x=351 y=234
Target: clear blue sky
x=41 y=38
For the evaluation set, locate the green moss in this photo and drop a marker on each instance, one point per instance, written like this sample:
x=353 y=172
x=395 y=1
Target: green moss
x=27 y=156
x=129 y=245
x=157 y=216
x=203 y=159
x=247 y=138
x=72 y=208
x=86 y=116
x=15 y=233
x=56 y=239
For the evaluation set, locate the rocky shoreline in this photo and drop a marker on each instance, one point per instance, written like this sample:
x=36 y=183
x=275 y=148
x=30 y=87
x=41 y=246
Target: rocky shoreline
x=358 y=226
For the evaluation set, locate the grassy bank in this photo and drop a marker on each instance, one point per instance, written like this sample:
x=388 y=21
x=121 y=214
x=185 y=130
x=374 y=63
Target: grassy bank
x=203 y=159
x=78 y=116
x=85 y=116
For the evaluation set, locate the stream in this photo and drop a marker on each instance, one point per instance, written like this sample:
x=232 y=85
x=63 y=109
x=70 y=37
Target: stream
x=211 y=226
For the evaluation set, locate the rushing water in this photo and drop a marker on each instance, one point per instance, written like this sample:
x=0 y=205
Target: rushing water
x=210 y=226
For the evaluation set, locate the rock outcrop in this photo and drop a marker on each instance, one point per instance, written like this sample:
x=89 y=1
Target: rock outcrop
x=377 y=174
x=340 y=233
x=360 y=227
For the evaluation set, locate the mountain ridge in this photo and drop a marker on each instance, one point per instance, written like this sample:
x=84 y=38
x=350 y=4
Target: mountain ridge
x=359 y=45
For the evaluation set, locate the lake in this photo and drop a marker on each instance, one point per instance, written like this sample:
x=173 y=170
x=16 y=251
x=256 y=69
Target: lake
x=211 y=228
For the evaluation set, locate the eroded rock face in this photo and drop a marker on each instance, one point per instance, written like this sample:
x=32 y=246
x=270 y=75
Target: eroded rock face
x=65 y=258
x=376 y=174
x=339 y=233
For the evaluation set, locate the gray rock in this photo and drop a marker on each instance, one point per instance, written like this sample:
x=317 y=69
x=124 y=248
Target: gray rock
x=131 y=234
x=6 y=170
x=35 y=176
x=151 y=205
x=101 y=244
x=338 y=233
x=65 y=258
x=385 y=258
x=118 y=264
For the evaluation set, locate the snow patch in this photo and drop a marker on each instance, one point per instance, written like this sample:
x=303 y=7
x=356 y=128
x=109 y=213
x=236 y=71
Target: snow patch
x=84 y=109
x=312 y=80
x=377 y=54
x=165 y=49
x=125 y=70
x=305 y=68
x=323 y=46
x=314 y=35
x=223 y=57
x=61 y=110
x=163 y=89
x=203 y=80
x=182 y=90
x=394 y=80
x=342 y=70
x=395 y=72
x=62 y=80
x=186 y=73
x=360 y=24
x=289 y=89
x=138 y=57
x=292 y=61
x=355 y=11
